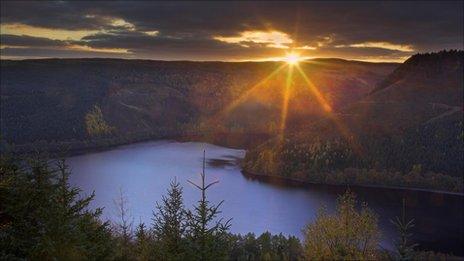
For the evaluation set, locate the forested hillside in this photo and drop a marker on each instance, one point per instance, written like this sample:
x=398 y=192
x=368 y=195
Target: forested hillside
x=407 y=132
x=58 y=100
x=386 y=124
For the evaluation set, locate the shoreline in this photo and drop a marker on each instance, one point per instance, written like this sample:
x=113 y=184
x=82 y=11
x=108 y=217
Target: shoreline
x=87 y=148
x=75 y=148
x=307 y=182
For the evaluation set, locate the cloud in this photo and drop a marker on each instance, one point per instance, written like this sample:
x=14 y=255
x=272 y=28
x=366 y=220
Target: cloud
x=25 y=43
x=236 y=30
x=53 y=34
x=97 y=50
x=273 y=39
x=24 y=53
x=152 y=33
x=118 y=22
x=29 y=41
x=306 y=47
x=381 y=45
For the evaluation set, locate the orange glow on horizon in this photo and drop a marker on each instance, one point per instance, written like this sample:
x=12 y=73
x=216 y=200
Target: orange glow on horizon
x=292 y=58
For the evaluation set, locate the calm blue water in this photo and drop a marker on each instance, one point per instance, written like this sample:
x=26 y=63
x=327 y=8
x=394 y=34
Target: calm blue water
x=143 y=172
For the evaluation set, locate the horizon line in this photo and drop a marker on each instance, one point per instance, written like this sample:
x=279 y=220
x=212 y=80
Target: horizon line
x=202 y=61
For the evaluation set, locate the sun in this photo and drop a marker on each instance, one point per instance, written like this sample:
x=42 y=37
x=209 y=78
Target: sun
x=292 y=58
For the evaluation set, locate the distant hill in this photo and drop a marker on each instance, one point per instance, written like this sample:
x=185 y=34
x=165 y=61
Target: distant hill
x=79 y=99
x=424 y=88
x=344 y=61
x=444 y=68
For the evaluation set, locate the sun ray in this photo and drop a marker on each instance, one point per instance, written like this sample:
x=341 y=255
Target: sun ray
x=344 y=131
x=319 y=97
x=284 y=112
x=247 y=94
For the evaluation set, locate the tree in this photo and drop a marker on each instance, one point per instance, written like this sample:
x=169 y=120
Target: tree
x=96 y=124
x=123 y=227
x=143 y=243
x=348 y=234
x=265 y=247
x=404 y=249
x=207 y=235
x=169 y=224
x=47 y=218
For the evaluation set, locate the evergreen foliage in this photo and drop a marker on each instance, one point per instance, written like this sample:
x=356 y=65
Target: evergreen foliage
x=428 y=157
x=44 y=218
x=404 y=249
x=207 y=235
x=143 y=245
x=264 y=247
x=169 y=224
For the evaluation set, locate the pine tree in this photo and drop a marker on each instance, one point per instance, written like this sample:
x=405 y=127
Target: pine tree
x=169 y=224
x=46 y=217
x=142 y=242
x=404 y=249
x=207 y=235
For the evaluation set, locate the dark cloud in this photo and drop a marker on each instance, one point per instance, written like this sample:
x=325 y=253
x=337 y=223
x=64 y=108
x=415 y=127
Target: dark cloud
x=30 y=41
x=53 y=52
x=187 y=28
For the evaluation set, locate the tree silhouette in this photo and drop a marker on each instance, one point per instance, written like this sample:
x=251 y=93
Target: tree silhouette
x=206 y=234
x=404 y=249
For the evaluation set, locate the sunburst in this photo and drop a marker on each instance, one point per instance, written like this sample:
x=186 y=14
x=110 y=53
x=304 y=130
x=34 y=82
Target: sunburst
x=292 y=58
x=292 y=61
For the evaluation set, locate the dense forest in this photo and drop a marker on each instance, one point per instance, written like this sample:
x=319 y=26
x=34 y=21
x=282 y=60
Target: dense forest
x=95 y=102
x=42 y=217
x=429 y=157
x=389 y=125
x=401 y=134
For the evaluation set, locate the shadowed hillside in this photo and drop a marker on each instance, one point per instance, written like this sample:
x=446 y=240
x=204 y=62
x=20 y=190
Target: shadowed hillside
x=427 y=87
x=402 y=134
x=81 y=99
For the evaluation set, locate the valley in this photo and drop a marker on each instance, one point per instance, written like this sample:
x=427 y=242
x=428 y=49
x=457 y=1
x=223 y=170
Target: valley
x=382 y=124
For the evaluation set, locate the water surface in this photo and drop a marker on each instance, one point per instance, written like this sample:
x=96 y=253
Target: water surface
x=143 y=172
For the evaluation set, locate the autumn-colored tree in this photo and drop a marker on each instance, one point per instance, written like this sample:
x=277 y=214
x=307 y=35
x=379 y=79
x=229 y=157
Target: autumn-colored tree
x=348 y=234
x=96 y=124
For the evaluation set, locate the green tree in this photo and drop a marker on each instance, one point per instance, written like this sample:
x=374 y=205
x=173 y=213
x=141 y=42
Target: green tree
x=143 y=243
x=404 y=248
x=207 y=235
x=169 y=224
x=265 y=247
x=46 y=218
x=348 y=234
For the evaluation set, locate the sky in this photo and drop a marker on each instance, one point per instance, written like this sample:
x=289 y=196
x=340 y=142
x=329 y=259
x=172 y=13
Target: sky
x=228 y=31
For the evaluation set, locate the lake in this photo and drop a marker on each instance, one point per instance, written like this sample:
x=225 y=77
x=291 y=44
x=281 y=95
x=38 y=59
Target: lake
x=143 y=172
